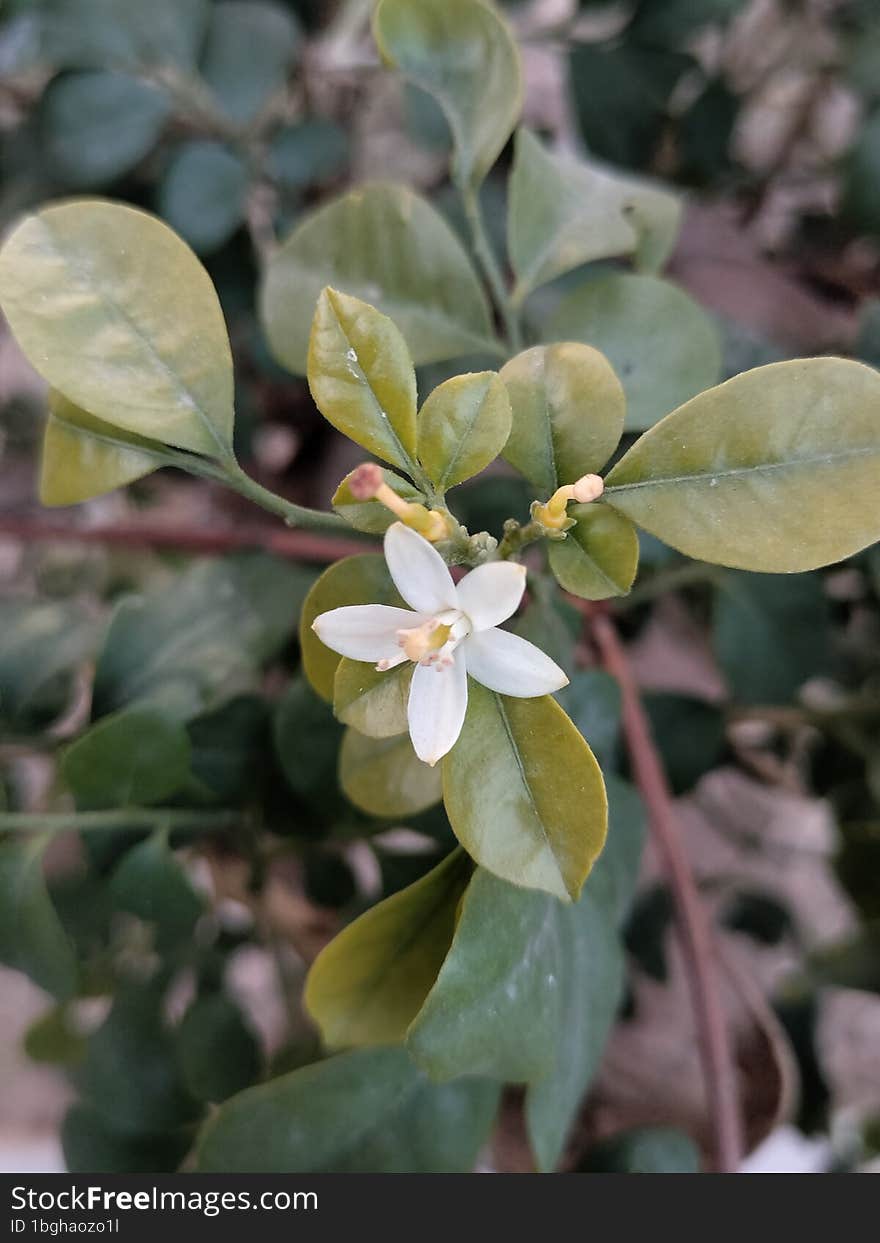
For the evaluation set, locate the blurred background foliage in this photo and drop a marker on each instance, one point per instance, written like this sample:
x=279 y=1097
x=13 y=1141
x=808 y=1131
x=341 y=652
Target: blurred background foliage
x=173 y=948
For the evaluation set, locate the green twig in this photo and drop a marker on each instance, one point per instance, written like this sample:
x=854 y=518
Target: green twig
x=116 y=818
x=293 y=515
x=489 y=264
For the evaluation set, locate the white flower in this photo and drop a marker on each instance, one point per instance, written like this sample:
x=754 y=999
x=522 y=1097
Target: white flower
x=451 y=633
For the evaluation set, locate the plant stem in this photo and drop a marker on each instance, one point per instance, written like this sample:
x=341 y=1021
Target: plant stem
x=115 y=818
x=716 y=1053
x=293 y=515
x=491 y=270
x=517 y=537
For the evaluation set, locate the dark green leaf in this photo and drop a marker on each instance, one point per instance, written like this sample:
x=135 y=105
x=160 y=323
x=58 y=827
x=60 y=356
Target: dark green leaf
x=217 y=1051
x=91 y=1146
x=369 y=1111
x=314 y=151
x=689 y=733
x=41 y=645
x=132 y=758
x=651 y=1150
x=247 y=55
x=96 y=126
x=32 y=939
x=203 y=194
x=150 y=883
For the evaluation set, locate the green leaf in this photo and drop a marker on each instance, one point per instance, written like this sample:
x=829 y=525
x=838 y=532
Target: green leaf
x=314 y=151
x=494 y=1009
x=130 y=1075
x=362 y=377
x=200 y=638
x=392 y=1121
x=229 y=746
x=96 y=126
x=621 y=95
x=770 y=633
x=54 y=1040
x=307 y=739
x=91 y=1146
x=371 y=702
x=462 y=54
x=648 y=1150
x=133 y=758
x=117 y=314
x=248 y=52
x=550 y=622
x=216 y=1049
x=84 y=457
x=590 y=974
x=568 y=412
x=776 y=470
x=41 y=647
x=203 y=194
x=599 y=556
x=593 y=703
x=372 y=516
x=384 y=776
x=689 y=733
x=566 y=212
x=354 y=580
x=614 y=879
x=102 y=33
x=524 y=794
x=861 y=196
x=662 y=345
x=388 y=246
x=32 y=939
x=371 y=981
x=150 y=883
x=463 y=426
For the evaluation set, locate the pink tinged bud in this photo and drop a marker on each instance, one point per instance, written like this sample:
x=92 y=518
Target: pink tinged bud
x=365 y=481
x=588 y=489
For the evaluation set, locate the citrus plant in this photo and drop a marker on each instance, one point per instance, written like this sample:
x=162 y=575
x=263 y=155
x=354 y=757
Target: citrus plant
x=503 y=964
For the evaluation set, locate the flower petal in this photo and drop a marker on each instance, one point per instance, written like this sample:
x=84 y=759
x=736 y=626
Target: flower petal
x=364 y=631
x=491 y=593
x=510 y=665
x=419 y=572
x=437 y=704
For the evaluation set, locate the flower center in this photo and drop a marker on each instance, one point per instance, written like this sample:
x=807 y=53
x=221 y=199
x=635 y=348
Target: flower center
x=432 y=643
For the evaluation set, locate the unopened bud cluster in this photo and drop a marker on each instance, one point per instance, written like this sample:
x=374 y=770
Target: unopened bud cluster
x=553 y=515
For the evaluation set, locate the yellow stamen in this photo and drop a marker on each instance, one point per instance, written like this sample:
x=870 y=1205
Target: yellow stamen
x=421 y=642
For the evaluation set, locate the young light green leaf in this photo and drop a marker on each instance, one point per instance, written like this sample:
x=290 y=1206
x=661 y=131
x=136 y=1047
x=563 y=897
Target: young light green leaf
x=394 y=1121
x=362 y=377
x=463 y=426
x=661 y=344
x=354 y=580
x=599 y=556
x=494 y=1008
x=32 y=939
x=116 y=312
x=372 y=516
x=96 y=126
x=384 y=776
x=777 y=470
x=84 y=457
x=390 y=247
x=565 y=212
x=370 y=982
x=248 y=51
x=203 y=193
x=371 y=702
x=462 y=53
x=524 y=793
x=133 y=758
x=568 y=412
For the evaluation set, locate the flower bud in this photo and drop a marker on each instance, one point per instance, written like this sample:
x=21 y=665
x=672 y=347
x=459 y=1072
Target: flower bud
x=364 y=482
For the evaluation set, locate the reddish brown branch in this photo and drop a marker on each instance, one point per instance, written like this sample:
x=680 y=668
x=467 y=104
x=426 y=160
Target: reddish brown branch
x=298 y=545
x=701 y=960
